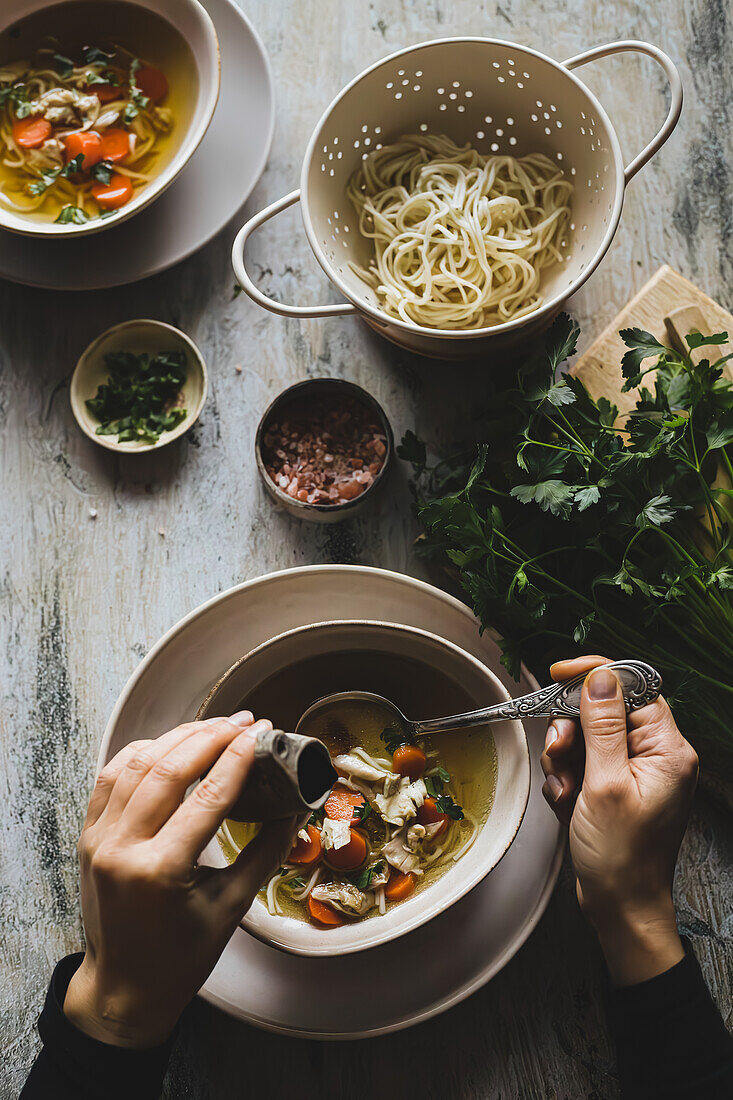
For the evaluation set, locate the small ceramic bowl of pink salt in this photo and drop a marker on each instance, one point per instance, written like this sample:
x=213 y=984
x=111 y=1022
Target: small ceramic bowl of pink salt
x=323 y=448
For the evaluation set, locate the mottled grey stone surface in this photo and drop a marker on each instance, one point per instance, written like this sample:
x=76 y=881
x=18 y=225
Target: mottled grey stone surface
x=83 y=599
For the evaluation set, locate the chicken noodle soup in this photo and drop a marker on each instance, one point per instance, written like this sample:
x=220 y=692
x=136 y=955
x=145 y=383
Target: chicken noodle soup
x=87 y=116
x=399 y=816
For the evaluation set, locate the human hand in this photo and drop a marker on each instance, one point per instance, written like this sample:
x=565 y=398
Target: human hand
x=155 y=921
x=625 y=785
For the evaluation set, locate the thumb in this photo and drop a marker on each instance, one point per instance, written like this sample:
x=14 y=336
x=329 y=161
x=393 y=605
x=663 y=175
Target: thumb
x=256 y=862
x=603 y=718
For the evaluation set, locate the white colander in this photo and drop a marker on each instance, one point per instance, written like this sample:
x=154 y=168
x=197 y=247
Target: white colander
x=500 y=97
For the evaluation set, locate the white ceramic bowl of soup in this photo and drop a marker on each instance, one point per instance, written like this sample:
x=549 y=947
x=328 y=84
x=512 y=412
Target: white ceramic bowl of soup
x=420 y=672
x=176 y=36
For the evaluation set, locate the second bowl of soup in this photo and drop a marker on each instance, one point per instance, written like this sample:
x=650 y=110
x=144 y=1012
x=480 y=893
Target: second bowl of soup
x=102 y=103
x=408 y=829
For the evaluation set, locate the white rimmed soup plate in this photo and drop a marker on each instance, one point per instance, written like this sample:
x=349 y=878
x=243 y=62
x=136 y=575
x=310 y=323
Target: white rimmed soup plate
x=287 y=673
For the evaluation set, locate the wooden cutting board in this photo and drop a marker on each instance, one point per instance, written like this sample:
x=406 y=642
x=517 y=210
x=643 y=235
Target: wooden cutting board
x=668 y=306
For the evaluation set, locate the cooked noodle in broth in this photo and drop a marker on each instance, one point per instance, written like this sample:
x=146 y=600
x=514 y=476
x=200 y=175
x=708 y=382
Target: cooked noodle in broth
x=460 y=239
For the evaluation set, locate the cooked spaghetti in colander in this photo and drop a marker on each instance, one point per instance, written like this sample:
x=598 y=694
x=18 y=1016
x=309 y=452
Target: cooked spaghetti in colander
x=460 y=239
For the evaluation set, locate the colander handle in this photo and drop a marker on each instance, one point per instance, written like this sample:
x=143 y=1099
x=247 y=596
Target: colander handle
x=675 y=86
x=254 y=292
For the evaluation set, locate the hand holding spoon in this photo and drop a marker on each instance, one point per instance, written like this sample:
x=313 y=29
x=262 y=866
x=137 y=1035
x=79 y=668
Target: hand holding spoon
x=640 y=683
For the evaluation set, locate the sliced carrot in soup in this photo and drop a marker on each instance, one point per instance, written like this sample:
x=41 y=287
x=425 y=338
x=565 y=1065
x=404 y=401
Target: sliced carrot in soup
x=30 y=133
x=349 y=856
x=409 y=760
x=306 y=851
x=429 y=814
x=113 y=195
x=152 y=83
x=399 y=886
x=115 y=144
x=341 y=804
x=323 y=914
x=86 y=143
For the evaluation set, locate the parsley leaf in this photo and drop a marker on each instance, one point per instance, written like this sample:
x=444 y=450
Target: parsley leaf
x=72 y=214
x=446 y=805
x=64 y=65
x=136 y=403
x=363 y=811
x=102 y=172
x=394 y=736
x=362 y=879
x=93 y=55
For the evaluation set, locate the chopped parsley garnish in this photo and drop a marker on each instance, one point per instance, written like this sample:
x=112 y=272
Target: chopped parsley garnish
x=316 y=818
x=363 y=811
x=17 y=95
x=394 y=736
x=136 y=402
x=138 y=100
x=92 y=55
x=102 y=172
x=107 y=77
x=50 y=176
x=434 y=783
x=72 y=214
x=446 y=805
x=64 y=65
x=363 y=879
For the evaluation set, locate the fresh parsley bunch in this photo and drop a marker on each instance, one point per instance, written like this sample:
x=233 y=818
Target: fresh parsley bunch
x=573 y=530
x=137 y=402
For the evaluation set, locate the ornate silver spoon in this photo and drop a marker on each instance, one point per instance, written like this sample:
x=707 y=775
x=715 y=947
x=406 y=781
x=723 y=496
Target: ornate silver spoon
x=640 y=683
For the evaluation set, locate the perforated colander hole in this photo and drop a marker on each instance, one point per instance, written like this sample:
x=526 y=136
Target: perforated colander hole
x=440 y=91
x=339 y=155
x=494 y=147
x=572 y=225
x=323 y=167
x=364 y=129
x=519 y=84
x=496 y=64
x=501 y=79
x=480 y=134
x=357 y=144
x=548 y=130
x=559 y=156
x=331 y=172
x=456 y=83
x=499 y=132
x=526 y=76
x=443 y=107
x=545 y=114
x=512 y=141
x=538 y=102
x=367 y=141
x=534 y=118
x=390 y=84
x=416 y=87
x=405 y=82
x=418 y=72
x=558 y=123
x=553 y=107
x=510 y=122
x=468 y=93
x=512 y=73
x=572 y=171
x=583 y=114
x=452 y=95
x=423 y=127
x=461 y=107
x=489 y=119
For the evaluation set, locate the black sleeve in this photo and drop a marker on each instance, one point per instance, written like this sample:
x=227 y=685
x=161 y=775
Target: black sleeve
x=73 y=1066
x=671 y=1043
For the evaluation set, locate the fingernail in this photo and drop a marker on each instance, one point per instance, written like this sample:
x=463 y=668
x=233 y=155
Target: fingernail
x=552 y=736
x=242 y=718
x=554 y=786
x=603 y=684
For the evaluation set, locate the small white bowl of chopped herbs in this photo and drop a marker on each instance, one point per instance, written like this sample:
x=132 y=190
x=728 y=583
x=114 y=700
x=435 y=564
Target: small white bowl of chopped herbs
x=138 y=386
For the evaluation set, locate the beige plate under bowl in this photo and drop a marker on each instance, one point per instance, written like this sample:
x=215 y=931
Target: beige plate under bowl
x=414 y=977
x=136 y=336
x=394 y=643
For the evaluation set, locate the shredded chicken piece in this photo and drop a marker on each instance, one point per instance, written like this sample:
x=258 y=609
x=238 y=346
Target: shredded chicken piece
x=351 y=765
x=64 y=106
x=400 y=802
x=343 y=896
x=303 y=835
x=50 y=155
x=400 y=855
x=335 y=834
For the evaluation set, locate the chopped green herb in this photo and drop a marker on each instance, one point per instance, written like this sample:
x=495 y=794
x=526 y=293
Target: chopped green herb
x=394 y=736
x=363 y=878
x=17 y=96
x=107 y=77
x=137 y=401
x=446 y=805
x=92 y=55
x=50 y=176
x=138 y=100
x=64 y=65
x=362 y=811
x=434 y=782
x=316 y=818
x=73 y=214
x=236 y=291
x=102 y=172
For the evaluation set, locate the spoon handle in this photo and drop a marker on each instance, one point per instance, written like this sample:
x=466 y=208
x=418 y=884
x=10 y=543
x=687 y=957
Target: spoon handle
x=640 y=683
